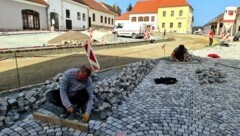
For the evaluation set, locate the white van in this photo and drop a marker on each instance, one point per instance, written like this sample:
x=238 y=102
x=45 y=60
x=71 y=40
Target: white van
x=134 y=30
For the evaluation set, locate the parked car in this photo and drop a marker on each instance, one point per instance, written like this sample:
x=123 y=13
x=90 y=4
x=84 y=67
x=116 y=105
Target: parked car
x=134 y=30
x=236 y=37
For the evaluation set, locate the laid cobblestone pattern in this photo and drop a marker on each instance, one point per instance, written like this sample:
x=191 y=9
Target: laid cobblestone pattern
x=185 y=108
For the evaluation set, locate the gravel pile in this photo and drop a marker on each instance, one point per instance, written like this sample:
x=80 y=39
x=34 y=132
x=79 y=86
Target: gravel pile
x=70 y=37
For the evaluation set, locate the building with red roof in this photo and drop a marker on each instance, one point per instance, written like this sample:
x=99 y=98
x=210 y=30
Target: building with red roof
x=100 y=16
x=147 y=11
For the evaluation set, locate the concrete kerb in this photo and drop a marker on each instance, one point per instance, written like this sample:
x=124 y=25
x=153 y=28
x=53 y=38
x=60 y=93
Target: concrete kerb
x=5 y=51
x=18 y=90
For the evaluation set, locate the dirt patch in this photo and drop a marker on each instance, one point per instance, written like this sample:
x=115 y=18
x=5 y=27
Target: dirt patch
x=37 y=70
x=70 y=36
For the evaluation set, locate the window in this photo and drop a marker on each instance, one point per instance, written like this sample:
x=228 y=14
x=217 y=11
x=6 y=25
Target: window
x=67 y=13
x=140 y=19
x=109 y=20
x=146 y=19
x=78 y=16
x=230 y=12
x=101 y=19
x=221 y=25
x=179 y=25
x=152 y=18
x=171 y=25
x=134 y=19
x=83 y=17
x=163 y=25
x=93 y=17
x=164 y=13
x=112 y=21
x=30 y=19
x=119 y=26
x=172 y=13
x=181 y=13
x=105 y=20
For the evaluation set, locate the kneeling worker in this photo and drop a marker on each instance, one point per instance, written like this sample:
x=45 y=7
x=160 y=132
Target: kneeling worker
x=180 y=54
x=75 y=89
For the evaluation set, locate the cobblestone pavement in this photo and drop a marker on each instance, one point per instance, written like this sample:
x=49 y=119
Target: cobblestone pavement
x=185 y=108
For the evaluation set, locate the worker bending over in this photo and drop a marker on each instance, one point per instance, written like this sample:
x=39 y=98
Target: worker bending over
x=180 y=54
x=75 y=89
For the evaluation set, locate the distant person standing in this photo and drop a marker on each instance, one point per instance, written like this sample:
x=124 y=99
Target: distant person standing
x=211 y=34
x=164 y=33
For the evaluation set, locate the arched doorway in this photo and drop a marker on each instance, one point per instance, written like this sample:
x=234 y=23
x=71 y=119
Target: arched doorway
x=30 y=19
x=54 y=21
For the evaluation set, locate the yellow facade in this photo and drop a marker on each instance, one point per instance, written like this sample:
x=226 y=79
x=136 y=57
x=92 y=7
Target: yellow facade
x=175 y=19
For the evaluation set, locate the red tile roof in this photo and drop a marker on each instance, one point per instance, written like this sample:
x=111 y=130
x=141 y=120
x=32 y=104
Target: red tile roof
x=95 y=5
x=151 y=6
x=79 y=1
x=124 y=16
x=38 y=1
x=173 y=3
x=109 y=8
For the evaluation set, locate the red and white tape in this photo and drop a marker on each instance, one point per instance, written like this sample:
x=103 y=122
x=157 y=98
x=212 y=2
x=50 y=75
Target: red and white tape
x=91 y=57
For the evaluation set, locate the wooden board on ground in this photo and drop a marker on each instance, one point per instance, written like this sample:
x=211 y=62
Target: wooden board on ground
x=59 y=121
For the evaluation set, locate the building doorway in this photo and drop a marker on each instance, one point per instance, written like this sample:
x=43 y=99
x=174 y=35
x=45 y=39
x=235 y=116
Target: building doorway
x=89 y=22
x=54 y=21
x=30 y=20
x=68 y=24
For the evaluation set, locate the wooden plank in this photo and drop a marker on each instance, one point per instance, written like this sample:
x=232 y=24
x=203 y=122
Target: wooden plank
x=61 y=122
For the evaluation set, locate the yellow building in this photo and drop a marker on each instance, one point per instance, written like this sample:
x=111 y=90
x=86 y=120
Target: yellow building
x=176 y=19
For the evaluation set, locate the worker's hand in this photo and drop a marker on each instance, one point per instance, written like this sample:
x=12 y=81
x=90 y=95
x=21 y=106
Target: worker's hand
x=85 y=117
x=177 y=60
x=70 y=109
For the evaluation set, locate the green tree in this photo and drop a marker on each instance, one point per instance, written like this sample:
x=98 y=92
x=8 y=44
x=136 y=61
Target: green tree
x=129 y=7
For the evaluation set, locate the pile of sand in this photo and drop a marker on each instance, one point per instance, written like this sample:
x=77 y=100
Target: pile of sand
x=70 y=36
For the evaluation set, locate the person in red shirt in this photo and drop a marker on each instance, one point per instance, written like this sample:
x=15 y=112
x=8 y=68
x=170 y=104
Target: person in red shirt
x=211 y=33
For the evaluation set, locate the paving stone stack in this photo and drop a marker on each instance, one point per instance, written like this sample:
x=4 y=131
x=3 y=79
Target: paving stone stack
x=12 y=107
x=210 y=76
x=193 y=58
x=110 y=92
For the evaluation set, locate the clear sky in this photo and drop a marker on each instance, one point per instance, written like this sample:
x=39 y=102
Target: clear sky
x=204 y=10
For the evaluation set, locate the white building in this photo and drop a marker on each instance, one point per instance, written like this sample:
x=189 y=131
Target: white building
x=99 y=16
x=217 y=24
x=122 y=19
x=18 y=15
x=145 y=12
x=68 y=14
